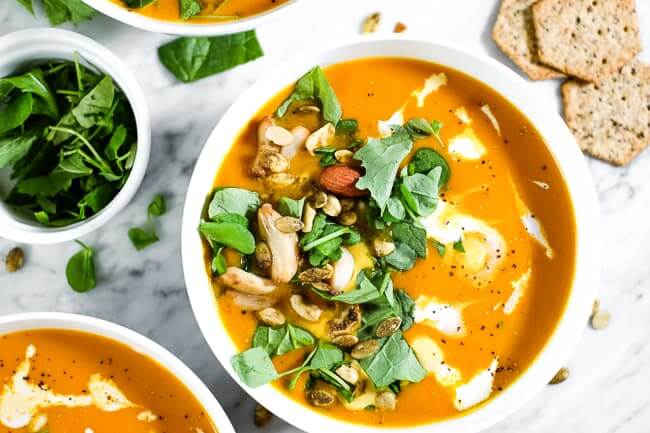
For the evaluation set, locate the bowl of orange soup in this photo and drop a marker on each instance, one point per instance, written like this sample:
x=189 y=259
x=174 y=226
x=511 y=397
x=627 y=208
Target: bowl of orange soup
x=391 y=234
x=194 y=17
x=64 y=372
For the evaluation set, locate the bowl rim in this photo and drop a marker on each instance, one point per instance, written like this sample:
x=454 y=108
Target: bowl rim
x=25 y=43
x=134 y=340
x=154 y=25
x=509 y=85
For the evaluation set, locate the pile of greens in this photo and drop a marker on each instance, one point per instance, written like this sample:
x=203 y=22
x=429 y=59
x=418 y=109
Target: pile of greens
x=398 y=198
x=69 y=136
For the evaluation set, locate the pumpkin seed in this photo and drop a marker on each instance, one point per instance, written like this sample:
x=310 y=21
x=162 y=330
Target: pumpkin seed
x=560 y=376
x=347 y=218
x=371 y=23
x=271 y=316
x=364 y=349
x=316 y=274
x=262 y=415
x=321 y=394
x=388 y=327
x=345 y=341
x=15 y=259
x=600 y=319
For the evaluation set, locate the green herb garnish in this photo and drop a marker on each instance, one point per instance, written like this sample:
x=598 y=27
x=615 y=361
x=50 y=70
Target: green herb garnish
x=80 y=270
x=61 y=11
x=142 y=238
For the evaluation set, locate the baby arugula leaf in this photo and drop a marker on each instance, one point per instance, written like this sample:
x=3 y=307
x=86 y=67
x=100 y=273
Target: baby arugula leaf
x=95 y=104
x=314 y=86
x=27 y=4
x=290 y=207
x=394 y=361
x=142 y=238
x=13 y=148
x=61 y=11
x=233 y=200
x=16 y=112
x=33 y=82
x=254 y=367
x=426 y=159
x=80 y=270
x=230 y=234
x=381 y=159
x=194 y=58
x=285 y=339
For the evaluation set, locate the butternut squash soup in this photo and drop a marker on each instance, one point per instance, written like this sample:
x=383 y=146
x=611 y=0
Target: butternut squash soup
x=390 y=242
x=199 y=11
x=58 y=381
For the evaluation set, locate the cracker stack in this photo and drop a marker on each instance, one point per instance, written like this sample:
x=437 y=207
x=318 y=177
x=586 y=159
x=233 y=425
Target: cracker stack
x=594 y=42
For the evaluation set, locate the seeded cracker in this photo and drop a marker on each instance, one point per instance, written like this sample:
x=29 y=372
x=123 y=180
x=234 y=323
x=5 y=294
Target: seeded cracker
x=611 y=121
x=588 y=39
x=514 y=34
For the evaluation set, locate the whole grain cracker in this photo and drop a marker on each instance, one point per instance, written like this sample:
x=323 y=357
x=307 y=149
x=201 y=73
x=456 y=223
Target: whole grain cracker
x=611 y=121
x=589 y=39
x=514 y=34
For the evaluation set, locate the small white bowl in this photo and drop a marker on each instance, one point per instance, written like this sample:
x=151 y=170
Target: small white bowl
x=28 y=47
x=143 y=22
x=137 y=342
x=561 y=144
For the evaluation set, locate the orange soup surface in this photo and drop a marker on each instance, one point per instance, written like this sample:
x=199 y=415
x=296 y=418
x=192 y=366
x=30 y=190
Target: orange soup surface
x=499 y=251
x=211 y=10
x=59 y=381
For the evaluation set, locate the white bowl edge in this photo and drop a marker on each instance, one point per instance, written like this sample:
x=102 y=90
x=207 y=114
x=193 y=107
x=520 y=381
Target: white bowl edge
x=507 y=83
x=139 y=343
x=28 y=46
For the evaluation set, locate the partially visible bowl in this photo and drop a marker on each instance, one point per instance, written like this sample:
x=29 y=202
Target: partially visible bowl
x=143 y=22
x=133 y=340
x=561 y=145
x=32 y=46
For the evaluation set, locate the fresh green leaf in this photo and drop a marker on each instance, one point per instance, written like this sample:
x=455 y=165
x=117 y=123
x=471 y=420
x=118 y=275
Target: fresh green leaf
x=254 y=367
x=281 y=340
x=327 y=356
x=137 y=4
x=157 y=207
x=98 y=198
x=419 y=128
x=381 y=159
x=61 y=11
x=230 y=234
x=420 y=192
x=440 y=248
x=141 y=238
x=403 y=258
x=394 y=361
x=115 y=143
x=458 y=246
x=233 y=200
x=314 y=86
x=231 y=218
x=16 y=112
x=412 y=235
x=194 y=58
x=347 y=126
x=290 y=207
x=13 y=148
x=218 y=264
x=425 y=159
x=95 y=104
x=189 y=8
x=27 y=4
x=34 y=82
x=436 y=125
x=80 y=270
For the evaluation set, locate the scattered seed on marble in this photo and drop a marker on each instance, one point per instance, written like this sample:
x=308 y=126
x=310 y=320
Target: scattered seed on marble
x=560 y=376
x=15 y=259
x=600 y=319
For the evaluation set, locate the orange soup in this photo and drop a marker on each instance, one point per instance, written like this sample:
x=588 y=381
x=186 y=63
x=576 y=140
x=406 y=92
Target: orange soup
x=58 y=381
x=390 y=242
x=200 y=11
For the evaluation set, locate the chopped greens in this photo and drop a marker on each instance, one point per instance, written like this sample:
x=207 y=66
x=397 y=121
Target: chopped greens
x=142 y=238
x=69 y=136
x=314 y=86
x=193 y=58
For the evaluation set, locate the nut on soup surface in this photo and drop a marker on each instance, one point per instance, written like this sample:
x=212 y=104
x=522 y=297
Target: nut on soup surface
x=199 y=11
x=389 y=242
x=57 y=380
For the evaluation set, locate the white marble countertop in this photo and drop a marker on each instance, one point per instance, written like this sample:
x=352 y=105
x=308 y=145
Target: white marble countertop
x=608 y=390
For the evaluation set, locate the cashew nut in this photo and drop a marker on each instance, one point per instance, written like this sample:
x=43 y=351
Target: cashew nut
x=250 y=302
x=319 y=138
x=278 y=135
x=246 y=282
x=300 y=134
x=309 y=312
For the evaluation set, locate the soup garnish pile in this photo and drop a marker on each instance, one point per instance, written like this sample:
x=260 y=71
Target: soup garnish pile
x=199 y=10
x=389 y=241
x=56 y=380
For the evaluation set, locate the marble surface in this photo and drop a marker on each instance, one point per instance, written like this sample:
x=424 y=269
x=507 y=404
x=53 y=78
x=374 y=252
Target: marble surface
x=610 y=369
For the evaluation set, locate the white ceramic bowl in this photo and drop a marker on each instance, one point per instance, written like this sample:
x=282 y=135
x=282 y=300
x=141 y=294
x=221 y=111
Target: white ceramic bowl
x=28 y=47
x=561 y=144
x=134 y=19
x=137 y=342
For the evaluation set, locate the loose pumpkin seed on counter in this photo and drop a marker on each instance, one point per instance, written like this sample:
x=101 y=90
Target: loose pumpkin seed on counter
x=387 y=268
x=560 y=376
x=15 y=259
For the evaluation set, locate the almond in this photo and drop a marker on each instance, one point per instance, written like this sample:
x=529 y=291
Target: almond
x=341 y=180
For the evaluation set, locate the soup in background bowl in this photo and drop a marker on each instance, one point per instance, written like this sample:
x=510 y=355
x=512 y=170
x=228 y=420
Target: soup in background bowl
x=63 y=372
x=194 y=18
x=391 y=241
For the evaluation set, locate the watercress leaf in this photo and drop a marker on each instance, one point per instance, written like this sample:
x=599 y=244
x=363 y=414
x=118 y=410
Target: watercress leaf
x=137 y=4
x=115 y=143
x=347 y=127
x=254 y=367
x=16 y=112
x=436 y=125
x=381 y=159
x=193 y=58
x=412 y=235
x=80 y=270
x=403 y=258
x=268 y=338
x=60 y=179
x=419 y=128
x=42 y=217
x=27 y=4
x=394 y=361
x=290 y=207
x=314 y=86
x=234 y=200
x=426 y=159
x=218 y=264
x=34 y=82
x=365 y=291
x=60 y=11
x=232 y=218
x=189 y=8
x=327 y=356
x=141 y=238
x=458 y=246
x=440 y=248
x=299 y=336
x=157 y=207
x=420 y=192
x=333 y=379
x=231 y=234
x=98 y=198
x=95 y=104
x=404 y=308
x=15 y=147
x=394 y=210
